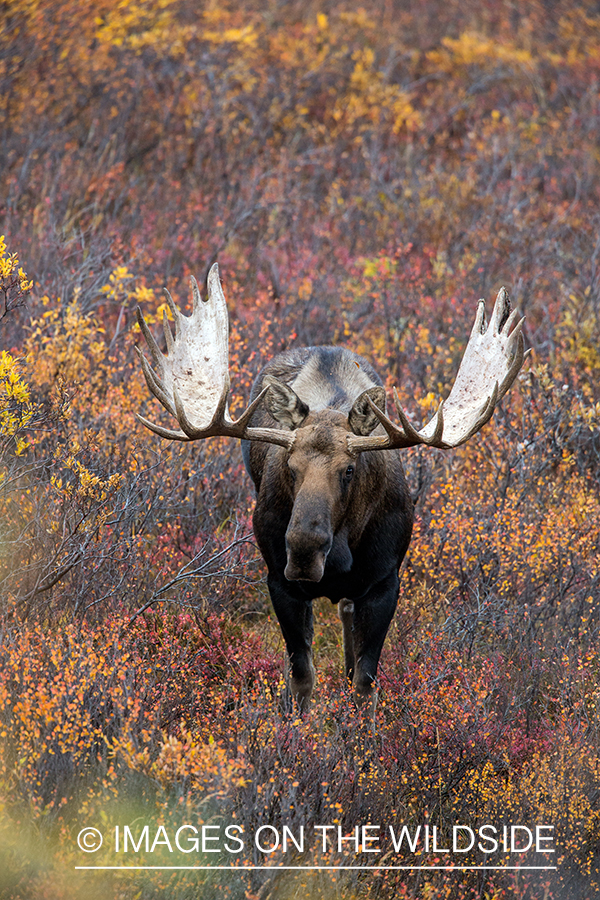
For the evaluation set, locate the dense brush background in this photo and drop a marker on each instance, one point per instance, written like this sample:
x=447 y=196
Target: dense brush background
x=363 y=176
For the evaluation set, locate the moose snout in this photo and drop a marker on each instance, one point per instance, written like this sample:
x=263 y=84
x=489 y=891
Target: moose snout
x=307 y=552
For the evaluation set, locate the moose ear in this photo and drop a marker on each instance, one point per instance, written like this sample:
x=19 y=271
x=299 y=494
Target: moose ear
x=361 y=418
x=284 y=404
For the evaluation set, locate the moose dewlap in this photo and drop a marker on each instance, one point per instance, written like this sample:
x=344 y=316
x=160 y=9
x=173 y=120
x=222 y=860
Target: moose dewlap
x=333 y=514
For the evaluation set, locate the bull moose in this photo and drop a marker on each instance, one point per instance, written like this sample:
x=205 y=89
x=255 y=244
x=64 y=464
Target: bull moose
x=333 y=514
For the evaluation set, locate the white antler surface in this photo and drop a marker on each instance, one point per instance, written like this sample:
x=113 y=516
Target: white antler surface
x=192 y=379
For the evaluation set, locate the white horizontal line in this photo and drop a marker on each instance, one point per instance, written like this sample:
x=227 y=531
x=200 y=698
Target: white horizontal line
x=328 y=868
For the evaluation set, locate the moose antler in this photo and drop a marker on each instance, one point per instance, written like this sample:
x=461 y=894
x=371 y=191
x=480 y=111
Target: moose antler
x=192 y=379
x=489 y=366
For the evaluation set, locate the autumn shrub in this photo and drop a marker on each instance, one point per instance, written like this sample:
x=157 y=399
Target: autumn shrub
x=362 y=175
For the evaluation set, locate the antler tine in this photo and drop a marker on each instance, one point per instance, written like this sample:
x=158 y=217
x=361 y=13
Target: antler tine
x=510 y=321
x=167 y=433
x=196 y=296
x=168 y=333
x=439 y=426
x=409 y=430
x=244 y=419
x=479 y=325
x=192 y=378
x=175 y=313
x=154 y=383
x=501 y=311
x=491 y=362
x=152 y=345
x=378 y=442
x=519 y=355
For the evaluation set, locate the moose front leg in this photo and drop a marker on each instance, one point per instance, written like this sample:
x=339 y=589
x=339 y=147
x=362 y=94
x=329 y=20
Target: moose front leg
x=346 y=614
x=372 y=616
x=296 y=621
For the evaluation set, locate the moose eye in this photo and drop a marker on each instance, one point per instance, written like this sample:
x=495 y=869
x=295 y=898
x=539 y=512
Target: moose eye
x=349 y=473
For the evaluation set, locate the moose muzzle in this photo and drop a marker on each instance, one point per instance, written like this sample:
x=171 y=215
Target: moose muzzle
x=308 y=541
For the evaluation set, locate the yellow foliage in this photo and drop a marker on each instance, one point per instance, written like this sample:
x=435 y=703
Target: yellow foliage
x=14 y=283
x=65 y=342
x=16 y=407
x=185 y=760
x=581 y=34
x=117 y=283
x=472 y=48
x=578 y=329
x=244 y=37
x=9 y=264
x=146 y=23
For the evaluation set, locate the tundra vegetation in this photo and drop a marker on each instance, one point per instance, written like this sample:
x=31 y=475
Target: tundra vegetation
x=363 y=176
